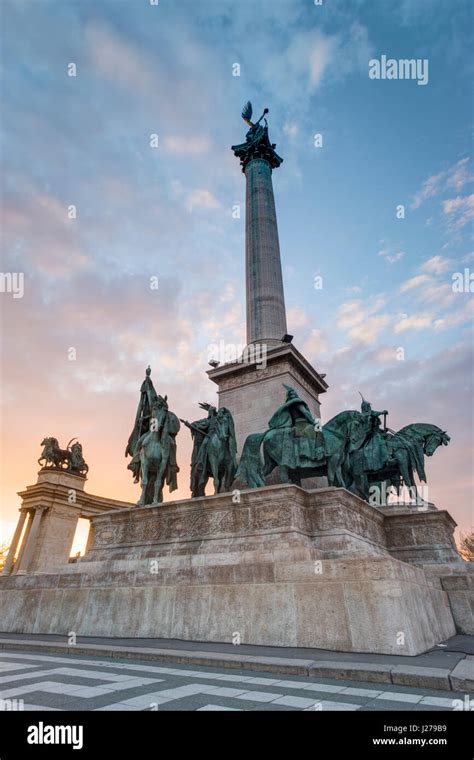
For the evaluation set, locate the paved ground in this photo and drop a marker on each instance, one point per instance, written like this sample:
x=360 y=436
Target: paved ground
x=55 y=682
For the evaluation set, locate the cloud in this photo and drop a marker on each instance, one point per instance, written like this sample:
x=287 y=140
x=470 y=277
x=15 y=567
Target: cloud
x=415 y=322
x=228 y=293
x=38 y=224
x=355 y=311
x=322 y=49
x=297 y=318
x=290 y=129
x=426 y=285
x=187 y=146
x=415 y=282
x=460 y=210
x=369 y=329
x=436 y=265
x=440 y=293
x=391 y=258
x=357 y=317
x=455 y=177
x=386 y=354
x=459 y=317
x=117 y=59
x=201 y=198
x=431 y=186
x=459 y=175
x=314 y=345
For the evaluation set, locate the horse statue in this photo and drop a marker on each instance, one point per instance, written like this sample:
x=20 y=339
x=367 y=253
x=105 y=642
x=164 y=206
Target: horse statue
x=214 y=451
x=53 y=456
x=70 y=458
x=156 y=452
x=351 y=450
x=406 y=450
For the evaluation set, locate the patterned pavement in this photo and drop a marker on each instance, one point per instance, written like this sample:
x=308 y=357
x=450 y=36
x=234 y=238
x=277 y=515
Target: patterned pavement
x=54 y=682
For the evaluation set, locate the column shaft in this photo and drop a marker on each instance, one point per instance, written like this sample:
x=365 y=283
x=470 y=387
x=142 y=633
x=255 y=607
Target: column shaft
x=14 y=544
x=30 y=542
x=24 y=541
x=266 y=316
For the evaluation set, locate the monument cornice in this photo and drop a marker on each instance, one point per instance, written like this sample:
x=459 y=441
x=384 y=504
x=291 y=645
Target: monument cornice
x=45 y=494
x=286 y=352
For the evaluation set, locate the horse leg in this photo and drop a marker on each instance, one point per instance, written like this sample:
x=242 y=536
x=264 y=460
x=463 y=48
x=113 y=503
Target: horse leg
x=269 y=463
x=359 y=485
x=295 y=478
x=160 y=480
x=339 y=476
x=158 y=489
x=269 y=467
x=335 y=472
x=331 y=471
x=215 y=474
x=407 y=475
x=202 y=487
x=144 y=475
x=225 y=479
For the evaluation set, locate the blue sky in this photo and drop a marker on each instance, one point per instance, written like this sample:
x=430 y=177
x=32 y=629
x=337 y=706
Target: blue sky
x=167 y=212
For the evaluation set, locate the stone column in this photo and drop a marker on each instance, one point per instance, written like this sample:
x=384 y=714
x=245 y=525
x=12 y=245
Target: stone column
x=30 y=541
x=15 y=540
x=266 y=316
x=29 y=513
x=252 y=386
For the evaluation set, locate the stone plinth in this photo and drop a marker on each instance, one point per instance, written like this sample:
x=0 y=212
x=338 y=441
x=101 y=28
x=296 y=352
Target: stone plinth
x=460 y=590
x=423 y=537
x=253 y=390
x=283 y=567
x=426 y=539
x=48 y=519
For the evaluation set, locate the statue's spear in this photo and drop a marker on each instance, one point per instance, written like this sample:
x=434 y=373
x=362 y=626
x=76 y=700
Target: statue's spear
x=192 y=427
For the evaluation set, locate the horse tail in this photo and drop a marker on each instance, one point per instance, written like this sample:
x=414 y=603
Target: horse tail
x=250 y=468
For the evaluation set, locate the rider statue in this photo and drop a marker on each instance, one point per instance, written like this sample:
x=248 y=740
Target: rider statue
x=367 y=442
x=200 y=431
x=302 y=438
x=150 y=401
x=78 y=465
x=215 y=430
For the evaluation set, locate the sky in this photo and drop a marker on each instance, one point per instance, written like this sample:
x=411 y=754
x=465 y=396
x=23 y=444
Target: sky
x=386 y=319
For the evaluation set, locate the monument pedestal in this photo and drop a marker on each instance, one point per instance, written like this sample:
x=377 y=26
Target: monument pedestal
x=282 y=567
x=252 y=390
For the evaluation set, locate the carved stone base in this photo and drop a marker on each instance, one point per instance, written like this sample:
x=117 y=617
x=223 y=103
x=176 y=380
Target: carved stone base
x=426 y=539
x=283 y=567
